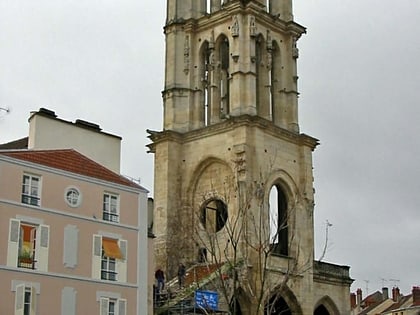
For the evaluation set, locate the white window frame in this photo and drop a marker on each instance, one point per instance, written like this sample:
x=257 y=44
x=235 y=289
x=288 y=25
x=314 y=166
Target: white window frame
x=73 y=196
x=31 y=193
x=111 y=211
x=41 y=244
x=120 y=306
x=29 y=253
x=108 y=268
x=27 y=301
x=97 y=259
x=22 y=304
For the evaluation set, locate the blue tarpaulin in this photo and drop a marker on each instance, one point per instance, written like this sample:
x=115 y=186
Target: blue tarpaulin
x=207 y=299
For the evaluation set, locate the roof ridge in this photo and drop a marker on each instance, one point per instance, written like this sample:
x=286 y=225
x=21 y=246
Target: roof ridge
x=70 y=160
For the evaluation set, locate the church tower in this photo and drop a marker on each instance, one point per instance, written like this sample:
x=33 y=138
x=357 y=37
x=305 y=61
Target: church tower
x=232 y=171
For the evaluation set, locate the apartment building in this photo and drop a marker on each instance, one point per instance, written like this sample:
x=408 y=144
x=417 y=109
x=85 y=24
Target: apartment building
x=73 y=232
x=380 y=303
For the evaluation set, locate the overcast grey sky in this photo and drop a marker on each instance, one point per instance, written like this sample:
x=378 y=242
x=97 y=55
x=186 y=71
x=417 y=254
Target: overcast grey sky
x=359 y=79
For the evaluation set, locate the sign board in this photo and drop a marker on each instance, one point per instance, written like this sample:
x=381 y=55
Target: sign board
x=207 y=299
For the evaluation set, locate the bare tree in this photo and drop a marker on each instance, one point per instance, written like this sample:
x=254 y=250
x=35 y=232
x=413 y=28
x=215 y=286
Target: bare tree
x=252 y=239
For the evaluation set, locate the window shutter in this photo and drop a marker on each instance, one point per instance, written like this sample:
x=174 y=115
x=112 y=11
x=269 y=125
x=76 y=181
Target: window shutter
x=45 y=231
x=97 y=245
x=42 y=245
x=70 y=250
x=96 y=256
x=19 y=299
x=14 y=230
x=68 y=301
x=33 y=301
x=122 y=307
x=104 y=305
x=13 y=244
x=123 y=248
x=122 y=263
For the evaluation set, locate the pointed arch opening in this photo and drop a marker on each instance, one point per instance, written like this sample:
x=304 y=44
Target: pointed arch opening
x=321 y=310
x=205 y=74
x=213 y=5
x=219 y=80
x=263 y=72
x=278 y=221
x=326 y=306
x=283 y=302
x=276 y=306
x=235 y=306
x=208 y=6
x=224 y=76
x=276 y=83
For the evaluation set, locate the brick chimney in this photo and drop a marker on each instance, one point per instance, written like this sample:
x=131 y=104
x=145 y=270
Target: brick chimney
x=359 y=296
x=396 y=294
x=416 y=296
x=353 y=300
x=385 y=295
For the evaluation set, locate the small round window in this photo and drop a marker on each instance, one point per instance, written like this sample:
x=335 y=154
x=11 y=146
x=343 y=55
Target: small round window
x=214 y=215
x=73 y=197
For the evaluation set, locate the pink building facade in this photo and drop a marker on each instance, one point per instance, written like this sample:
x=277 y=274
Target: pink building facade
x=73 y=236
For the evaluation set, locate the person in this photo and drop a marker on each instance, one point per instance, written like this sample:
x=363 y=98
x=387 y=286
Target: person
x=181 y=275
x=160 y=279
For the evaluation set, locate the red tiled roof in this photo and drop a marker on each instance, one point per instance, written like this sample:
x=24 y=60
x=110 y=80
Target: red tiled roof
x=71 y=161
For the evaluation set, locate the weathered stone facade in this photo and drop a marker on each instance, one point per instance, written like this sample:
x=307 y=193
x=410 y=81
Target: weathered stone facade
x=231 y=137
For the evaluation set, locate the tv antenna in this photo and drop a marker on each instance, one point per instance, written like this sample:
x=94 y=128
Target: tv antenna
x=324 y=251
x=367 y=286
x=394 y=281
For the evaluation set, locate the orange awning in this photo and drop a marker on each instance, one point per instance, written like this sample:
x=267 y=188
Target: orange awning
x=111 y=248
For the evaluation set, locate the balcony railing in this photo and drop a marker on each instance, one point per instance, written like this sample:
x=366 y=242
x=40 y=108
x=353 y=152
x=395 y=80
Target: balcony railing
x=26 y=262
x=110 y=217
x=30 y=200
x=108 y=275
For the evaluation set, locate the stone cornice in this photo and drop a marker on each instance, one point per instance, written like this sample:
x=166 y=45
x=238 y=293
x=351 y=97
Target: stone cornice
x=176 y=89
x=68 y=277
x=227 y=125
x=232 y=8
x=331 y=273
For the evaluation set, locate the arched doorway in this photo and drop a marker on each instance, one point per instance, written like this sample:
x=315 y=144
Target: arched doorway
x=276 y=306
x=326 y=306
x=235 y=307
x=321 y=310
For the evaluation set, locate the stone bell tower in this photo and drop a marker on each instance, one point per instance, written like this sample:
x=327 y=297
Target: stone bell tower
x=231 y=139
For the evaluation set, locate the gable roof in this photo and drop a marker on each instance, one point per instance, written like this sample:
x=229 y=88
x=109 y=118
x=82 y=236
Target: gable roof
x=399 y=304
x=16 y=144
x=371 y=302
x=71 y=161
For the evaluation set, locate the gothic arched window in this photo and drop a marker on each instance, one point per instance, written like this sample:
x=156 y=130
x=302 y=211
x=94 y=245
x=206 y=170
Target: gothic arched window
x=321 y=310
x=218 y=92
x=224 y=76
x=205 y=76
x=263 y=70
x=276 y=306
x=276 y=72
x=279 y=231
